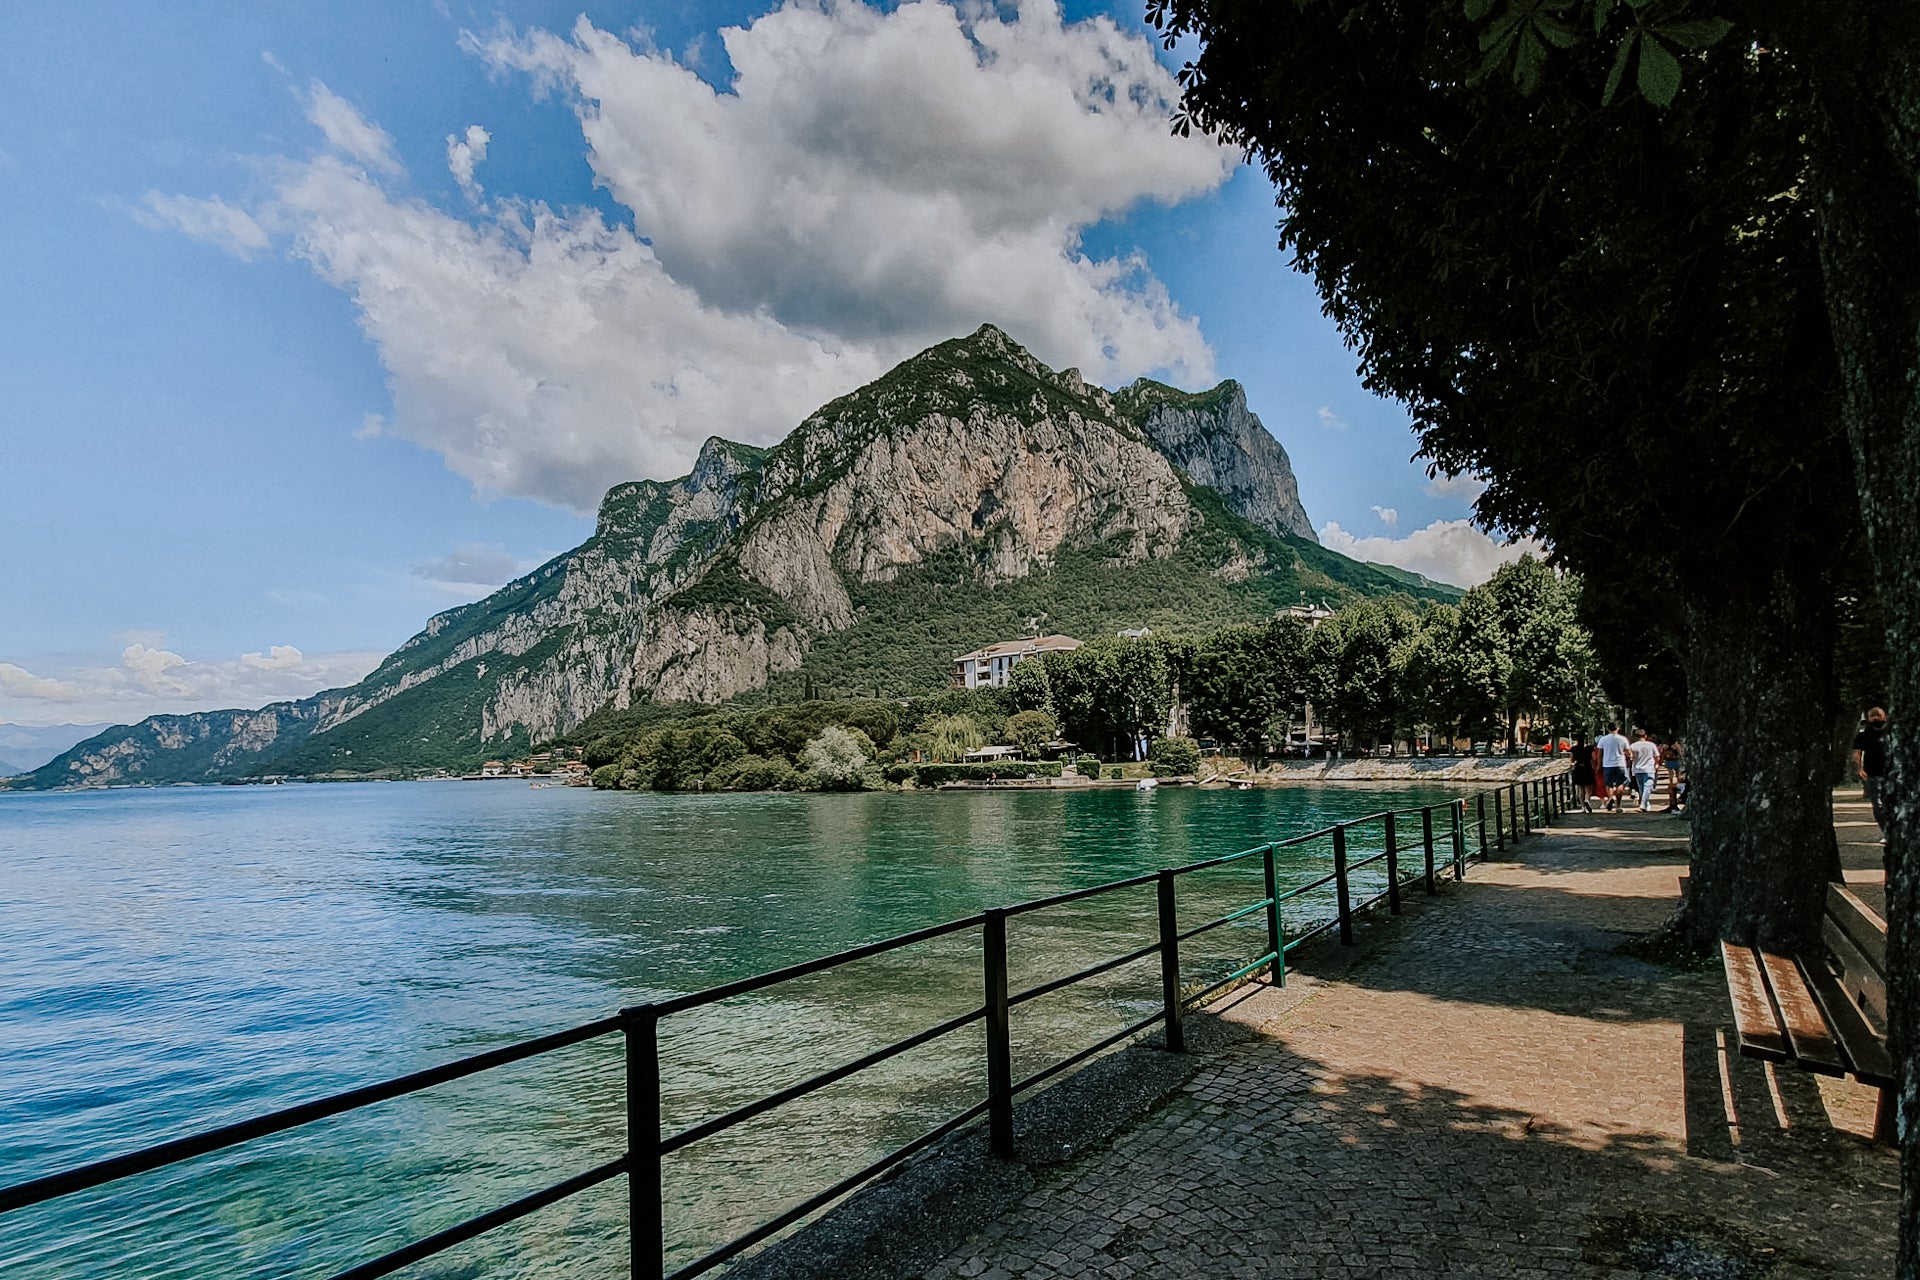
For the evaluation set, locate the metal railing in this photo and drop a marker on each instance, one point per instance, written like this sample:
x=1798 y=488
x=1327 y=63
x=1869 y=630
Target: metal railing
x=639 y=1026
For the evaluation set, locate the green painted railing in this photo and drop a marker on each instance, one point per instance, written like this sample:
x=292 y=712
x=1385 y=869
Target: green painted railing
x=1437 y=851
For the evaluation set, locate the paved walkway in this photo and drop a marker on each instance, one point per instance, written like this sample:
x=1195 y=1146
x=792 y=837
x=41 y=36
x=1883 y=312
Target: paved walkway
x=1487 y=1086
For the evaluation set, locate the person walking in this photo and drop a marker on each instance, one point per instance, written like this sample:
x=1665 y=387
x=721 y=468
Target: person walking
x=1646 y=763
x=1585 y=780
x=1613 y=765
x=1674 y=757
x=1870 y=762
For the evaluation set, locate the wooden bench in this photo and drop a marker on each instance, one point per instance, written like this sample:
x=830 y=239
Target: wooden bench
x=1824 y=1013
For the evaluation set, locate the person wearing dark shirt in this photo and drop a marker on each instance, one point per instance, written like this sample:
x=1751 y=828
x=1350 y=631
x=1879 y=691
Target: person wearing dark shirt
x=1870 y=762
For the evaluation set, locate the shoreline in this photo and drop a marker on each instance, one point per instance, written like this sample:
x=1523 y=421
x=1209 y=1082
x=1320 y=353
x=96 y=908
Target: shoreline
x=1487 y=770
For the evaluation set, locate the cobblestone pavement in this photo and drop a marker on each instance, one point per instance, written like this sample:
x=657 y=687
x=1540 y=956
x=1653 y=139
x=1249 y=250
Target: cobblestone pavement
x=1487 y=1086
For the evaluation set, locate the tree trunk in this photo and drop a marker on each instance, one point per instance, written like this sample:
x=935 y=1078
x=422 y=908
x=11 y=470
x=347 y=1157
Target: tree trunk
x=1759 y=698
x=1867 y=75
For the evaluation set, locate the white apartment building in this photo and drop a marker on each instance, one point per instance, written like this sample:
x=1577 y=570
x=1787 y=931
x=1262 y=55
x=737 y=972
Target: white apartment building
x=990 y=667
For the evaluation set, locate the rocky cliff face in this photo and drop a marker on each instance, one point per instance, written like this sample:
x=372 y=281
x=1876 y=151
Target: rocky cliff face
x=972 y=454
x=1218 y=442
x=203 y=747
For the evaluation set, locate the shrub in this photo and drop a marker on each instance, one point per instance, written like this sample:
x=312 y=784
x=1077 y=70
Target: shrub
x=607 y=777
x=1174 y=756
x=752 y=773
x=837 y=760
x=603 y=750
x=682 y=758
x=786 y=730
x=1089 y=767
x=933 y=775
x=1031 y=731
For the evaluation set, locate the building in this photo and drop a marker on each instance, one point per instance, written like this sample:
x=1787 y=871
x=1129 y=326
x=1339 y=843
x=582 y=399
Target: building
x=1315 y=613
x=990 y=667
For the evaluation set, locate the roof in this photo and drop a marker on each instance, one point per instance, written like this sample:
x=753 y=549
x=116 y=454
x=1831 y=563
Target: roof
x=1032 y=644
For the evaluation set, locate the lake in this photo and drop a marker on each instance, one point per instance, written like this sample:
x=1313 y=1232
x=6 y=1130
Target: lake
x=185 y=957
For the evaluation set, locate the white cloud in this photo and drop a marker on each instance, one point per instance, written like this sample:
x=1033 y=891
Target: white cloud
x=372 y=427
x=472 y=564
x=1446 y=550
x=19 y=683
x=872 y=183
x=349 y=132
x=1331 y=420
x=212 y=220
x=1465 y=487
x=147 y=680
x=463 y=153
x=1389 y=516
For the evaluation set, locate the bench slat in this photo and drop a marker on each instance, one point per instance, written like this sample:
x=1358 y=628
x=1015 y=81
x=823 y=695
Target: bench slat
x=1866 y=1051
x=1813 y=1046
x=1863 y=982
x=1862 y=925
x=1753 y=1017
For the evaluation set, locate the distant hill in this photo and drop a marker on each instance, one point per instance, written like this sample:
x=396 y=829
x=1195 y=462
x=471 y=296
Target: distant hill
x=966 y=491
x=24 y=748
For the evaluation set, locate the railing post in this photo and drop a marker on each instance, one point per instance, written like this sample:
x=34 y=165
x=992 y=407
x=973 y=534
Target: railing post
x=1340 y=883
x=1276 y=937
x=1170 y=964
x=993 y=947
x=1526 y=805
x=646 y=1219
x=1499 y=824
x=1459 y=808
x=1482 y=798
x=1426 y=843
x=1393 y=868
x=1513 y=809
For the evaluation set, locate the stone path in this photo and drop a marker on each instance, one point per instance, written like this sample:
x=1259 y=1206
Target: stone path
x=1487 y=1086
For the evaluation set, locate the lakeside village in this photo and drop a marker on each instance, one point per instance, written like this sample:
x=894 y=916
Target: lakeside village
x=1510 y=670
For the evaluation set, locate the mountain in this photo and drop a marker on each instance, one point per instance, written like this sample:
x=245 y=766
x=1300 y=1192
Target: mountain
x=965 y=492
x=24 y=748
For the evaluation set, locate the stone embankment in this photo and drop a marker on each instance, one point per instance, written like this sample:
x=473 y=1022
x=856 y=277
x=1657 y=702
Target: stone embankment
x=1449 y=769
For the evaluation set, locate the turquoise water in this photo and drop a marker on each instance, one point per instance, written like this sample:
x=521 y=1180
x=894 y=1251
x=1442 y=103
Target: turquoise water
x=180 y=958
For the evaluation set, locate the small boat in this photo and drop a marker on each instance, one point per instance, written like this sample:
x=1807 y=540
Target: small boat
x=1146 y=784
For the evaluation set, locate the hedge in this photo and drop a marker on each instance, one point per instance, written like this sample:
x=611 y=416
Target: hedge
x=933 y=775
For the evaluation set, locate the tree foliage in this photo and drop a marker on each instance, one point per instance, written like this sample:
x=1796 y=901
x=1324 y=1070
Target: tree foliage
x=837 y=759
x=1616 y=317
x=1031 y=731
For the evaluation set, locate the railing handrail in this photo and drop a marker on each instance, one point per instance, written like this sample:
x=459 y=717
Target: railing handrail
x=639 y=1023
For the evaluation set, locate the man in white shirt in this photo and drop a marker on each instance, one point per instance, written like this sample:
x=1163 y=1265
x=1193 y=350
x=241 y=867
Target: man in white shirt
x=1613 y=765
x=1646 y=763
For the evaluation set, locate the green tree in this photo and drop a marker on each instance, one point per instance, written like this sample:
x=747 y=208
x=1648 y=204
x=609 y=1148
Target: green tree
x=1110 y=692
x=951 y=737
x=1029 y=687
x=1350 y=670
x=1583 y=290
x=1243 y=680
x=1031 y=731
x=837 y=760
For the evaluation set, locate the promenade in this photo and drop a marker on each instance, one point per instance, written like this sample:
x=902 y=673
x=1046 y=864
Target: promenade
x=1493 y=1084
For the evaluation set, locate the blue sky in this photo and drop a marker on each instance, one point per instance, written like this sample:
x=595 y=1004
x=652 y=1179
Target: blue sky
x=252 y=323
